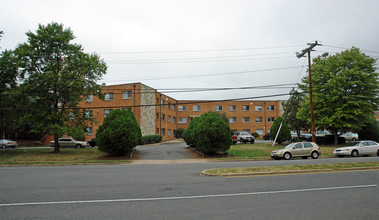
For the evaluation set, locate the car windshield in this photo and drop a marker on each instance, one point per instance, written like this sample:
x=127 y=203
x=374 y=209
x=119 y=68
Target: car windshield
x=289 y=146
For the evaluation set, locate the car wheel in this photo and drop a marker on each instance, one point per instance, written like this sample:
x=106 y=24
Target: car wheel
x=354 y=153
x=78 y=146
x=314 y=155
x=252 y=141
x=304 y=157
x=377 y=153
x=287 y=156
x=3 y=146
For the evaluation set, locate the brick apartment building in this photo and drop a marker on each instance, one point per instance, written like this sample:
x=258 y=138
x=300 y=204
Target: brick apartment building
x=157 y=113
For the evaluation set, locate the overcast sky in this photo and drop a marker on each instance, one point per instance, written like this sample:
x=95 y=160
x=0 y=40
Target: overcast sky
x=184 y=44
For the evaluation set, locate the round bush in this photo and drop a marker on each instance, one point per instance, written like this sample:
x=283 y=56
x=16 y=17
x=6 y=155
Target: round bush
x=119 y=133
x=211 y=133
x=284 y=134
x=179 y=132
x=188 y=135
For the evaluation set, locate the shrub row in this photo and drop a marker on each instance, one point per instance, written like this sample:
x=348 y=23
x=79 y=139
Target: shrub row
x=150 y=139
x=327 y=140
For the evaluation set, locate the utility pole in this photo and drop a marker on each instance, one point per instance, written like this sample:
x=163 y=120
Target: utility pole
x=299 y=55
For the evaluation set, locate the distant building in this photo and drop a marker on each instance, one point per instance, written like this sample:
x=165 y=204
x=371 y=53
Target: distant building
x=157 y=113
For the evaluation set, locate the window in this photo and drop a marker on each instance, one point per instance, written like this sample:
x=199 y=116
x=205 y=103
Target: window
x=246 y=120
x=232 y=108
x=173 y=119
x=162 y=103
x=258 y=108
x=108 y=96
x=89 y=114
x=127 y=109
x=89 y=98
x=126 y=94
x=259 y=131
x=169 y=132
x=168 y=118
x=307 y=145
x=271 y=108
x=157 y=116
x=182 y=120
x=174 y=132
x=196 y=108
x=233 y=120
x=157 y=131
x=106 y=112
x=168 y=105
x=218 y=107
x=173 y=107
x=182 y=108
x=271 y=119
x=163 y=131
x=258 y=119
x=89 y=131
x=245 y=108
x=163 y=117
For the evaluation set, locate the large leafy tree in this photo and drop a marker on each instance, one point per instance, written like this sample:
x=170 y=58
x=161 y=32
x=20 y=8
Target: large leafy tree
x=290 y=108
x=56 y=75
x=345 y=91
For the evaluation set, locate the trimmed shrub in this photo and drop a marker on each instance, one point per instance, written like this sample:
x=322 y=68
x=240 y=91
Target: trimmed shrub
x=284 y=134
x=150 y=139
x=179 y=132
x=327 y=140
x=255 y=134
x=119 y=133
x=210 y=133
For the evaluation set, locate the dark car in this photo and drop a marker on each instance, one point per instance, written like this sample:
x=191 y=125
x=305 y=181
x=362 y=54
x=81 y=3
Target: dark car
x=92 y=142
x=267 y=136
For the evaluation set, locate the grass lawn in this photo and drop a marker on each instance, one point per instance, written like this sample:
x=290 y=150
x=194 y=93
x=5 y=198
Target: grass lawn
x=66 y=157
x=293 y=168
x=263 y=151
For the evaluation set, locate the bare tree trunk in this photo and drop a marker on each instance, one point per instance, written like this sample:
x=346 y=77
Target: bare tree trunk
x=336 y=138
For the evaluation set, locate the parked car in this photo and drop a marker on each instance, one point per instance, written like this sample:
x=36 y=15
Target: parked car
x=267 y=136
x=360 y=148
x=305 y=136
x=300 y=149
x=70 y=142
x=234 y=137
x=349 y=136
x=245 y=136
x=92 y=142
x=4 y=143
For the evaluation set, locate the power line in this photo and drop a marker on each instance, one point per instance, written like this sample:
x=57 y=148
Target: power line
x=345 y=48
x=205 y=50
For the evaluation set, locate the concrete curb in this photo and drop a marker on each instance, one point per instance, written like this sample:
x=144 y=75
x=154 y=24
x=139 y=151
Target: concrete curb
x=204 y=172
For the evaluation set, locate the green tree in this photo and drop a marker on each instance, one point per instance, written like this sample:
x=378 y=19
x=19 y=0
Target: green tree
x=345 y=90
x=284 y=133
x=189 y=132
x=56 y=75
x=211 y=133
x=370 y=130
x=290 y=107
x=119 y=133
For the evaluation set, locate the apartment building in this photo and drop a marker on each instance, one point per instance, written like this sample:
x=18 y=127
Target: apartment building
x=157 y=113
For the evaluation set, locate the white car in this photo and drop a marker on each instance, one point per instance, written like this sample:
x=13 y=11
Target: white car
x=350 y=136
x=360 y=148
x=70 y=142
x=245 y=136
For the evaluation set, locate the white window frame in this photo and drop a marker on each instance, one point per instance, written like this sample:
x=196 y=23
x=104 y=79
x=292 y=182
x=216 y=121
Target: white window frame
x=127 y=95
x=88 y=114
x=107 y=112
x=272 y=119
x=258 y=108
x=232 y=108
x=259 y=120
x=88 y=98
x=196 y=108
x=182 y=108
x=232 y=120
x=218 y=108
x=271 y=108
x=182 y=121
x=89 y=131
x=245 y=119
x=246 y=108
x=259 y=131
x=108 y=96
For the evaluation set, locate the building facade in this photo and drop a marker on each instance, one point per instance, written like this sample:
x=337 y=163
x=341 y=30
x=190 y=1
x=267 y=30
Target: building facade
x=157 y=113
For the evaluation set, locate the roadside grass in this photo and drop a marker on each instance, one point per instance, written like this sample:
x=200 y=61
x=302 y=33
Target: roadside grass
x=66 y=157
x=290 y=169
x=263 y=151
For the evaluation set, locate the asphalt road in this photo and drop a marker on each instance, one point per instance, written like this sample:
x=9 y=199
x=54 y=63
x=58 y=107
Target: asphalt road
x=167 y=151
x=177 y=191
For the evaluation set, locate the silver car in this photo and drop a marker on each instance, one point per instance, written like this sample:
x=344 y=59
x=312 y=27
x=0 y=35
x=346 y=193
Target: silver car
x=360 y=148
x=300 y=149
x=4 y=143
x=70 y=142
